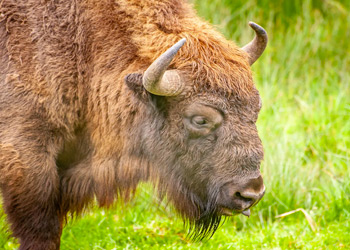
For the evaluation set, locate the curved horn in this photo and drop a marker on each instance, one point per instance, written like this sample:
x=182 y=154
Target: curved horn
x=256 y=47
x=160 y=81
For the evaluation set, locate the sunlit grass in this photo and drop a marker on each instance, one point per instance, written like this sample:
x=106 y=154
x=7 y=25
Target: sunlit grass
x=304 y=81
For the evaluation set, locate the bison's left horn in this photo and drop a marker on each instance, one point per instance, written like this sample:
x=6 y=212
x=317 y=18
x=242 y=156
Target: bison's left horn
x=160 y=81
x=256 y=47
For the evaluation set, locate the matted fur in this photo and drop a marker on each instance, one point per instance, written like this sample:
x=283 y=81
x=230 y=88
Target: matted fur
x=72 y=130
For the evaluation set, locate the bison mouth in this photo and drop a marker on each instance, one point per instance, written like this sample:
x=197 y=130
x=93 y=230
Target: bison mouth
x=229 y=212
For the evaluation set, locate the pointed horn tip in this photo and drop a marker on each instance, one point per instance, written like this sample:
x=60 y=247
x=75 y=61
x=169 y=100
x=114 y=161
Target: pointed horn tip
x=257 y=28
x=183 y=40
x=175 y=48
x=180 y=43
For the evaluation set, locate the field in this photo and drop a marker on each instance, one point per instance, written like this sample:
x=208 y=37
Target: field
x=304 y=81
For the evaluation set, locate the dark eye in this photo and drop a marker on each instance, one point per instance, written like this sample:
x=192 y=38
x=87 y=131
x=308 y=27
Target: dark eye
x=199 y=120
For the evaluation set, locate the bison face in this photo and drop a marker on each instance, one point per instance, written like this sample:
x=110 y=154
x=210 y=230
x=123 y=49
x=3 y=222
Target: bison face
x=224 y=142
x=222 y=138
x=207 y=153
x=204 y=146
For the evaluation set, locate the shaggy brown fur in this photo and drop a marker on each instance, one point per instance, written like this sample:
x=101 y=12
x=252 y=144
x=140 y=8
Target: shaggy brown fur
x=72 y=130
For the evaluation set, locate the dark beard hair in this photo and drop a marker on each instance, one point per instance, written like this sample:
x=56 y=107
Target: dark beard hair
x=200 y=214
x=209 y=218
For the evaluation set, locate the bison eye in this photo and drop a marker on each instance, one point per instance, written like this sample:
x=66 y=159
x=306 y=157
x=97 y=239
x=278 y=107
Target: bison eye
x=199 y=120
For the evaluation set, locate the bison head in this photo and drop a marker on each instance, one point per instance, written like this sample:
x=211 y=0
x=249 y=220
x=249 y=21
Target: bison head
x=203 y=144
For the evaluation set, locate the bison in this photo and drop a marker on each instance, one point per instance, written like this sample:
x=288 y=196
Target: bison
x=97 y=96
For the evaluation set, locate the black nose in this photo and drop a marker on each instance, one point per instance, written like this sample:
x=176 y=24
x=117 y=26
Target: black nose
x=249 y=193
x=244 y=195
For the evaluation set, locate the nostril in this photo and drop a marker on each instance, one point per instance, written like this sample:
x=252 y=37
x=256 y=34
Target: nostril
x=241 y=197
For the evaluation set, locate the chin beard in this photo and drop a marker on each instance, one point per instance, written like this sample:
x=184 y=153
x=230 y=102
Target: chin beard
x=208 y=220
x=201 y=216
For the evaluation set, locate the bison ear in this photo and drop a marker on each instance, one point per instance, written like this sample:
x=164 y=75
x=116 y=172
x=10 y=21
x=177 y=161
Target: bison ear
x=134 y=83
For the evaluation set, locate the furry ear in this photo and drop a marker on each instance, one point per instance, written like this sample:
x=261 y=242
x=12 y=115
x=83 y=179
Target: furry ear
x=134 y=82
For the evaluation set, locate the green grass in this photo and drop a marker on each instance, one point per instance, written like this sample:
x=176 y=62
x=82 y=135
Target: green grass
x=304 y=80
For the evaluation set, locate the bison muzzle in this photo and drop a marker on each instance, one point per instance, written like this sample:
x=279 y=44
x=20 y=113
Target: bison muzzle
x=98 y=96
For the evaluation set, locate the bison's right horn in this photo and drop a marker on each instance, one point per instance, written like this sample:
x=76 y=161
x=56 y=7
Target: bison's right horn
x=160 y=81
x=256 y=47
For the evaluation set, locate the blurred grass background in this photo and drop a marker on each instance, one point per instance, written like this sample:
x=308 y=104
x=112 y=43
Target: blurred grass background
x=304 y=81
